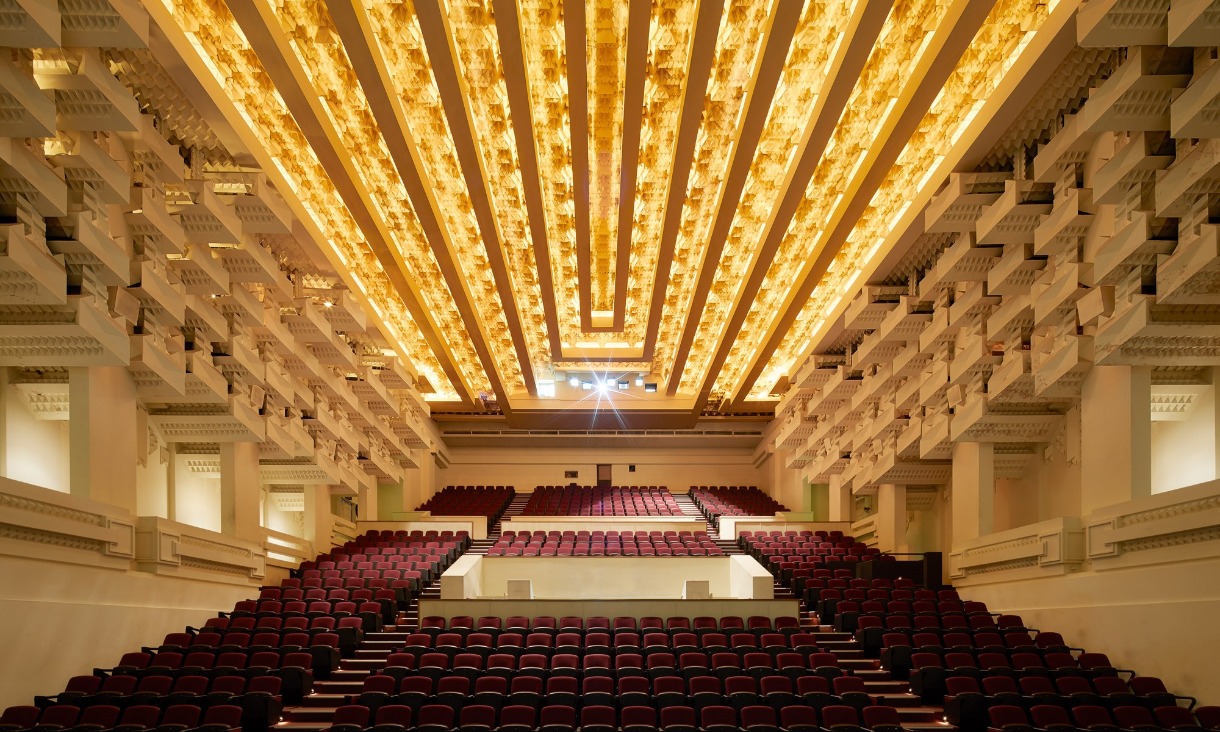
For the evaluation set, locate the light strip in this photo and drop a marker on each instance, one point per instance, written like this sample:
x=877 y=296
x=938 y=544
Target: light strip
x=414 y=83
x=739 y=46
x=606 y=62
x=903 y=40
x=996 y=48
x=480 y=65
x=795 y=107
x=214 y=34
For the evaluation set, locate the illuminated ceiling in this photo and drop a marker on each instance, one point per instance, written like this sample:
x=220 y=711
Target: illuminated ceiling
x=673 y=192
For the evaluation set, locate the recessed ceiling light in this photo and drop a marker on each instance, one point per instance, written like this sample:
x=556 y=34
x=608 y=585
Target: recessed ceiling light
x=574 y=381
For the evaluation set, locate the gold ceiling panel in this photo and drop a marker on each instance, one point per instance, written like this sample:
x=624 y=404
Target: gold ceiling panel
x=436 y=190
x=476 y=44
x=400 y=40
x=1004 y=35
x=743 y=30
x=793 y=111
x=605 y=58
x=671 y=32
x=216 y=37
x=900 y=47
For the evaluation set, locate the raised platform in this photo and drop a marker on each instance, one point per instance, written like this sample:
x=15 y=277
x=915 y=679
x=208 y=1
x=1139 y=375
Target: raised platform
x=604 y=523
x=638 y=608
x=737 y=577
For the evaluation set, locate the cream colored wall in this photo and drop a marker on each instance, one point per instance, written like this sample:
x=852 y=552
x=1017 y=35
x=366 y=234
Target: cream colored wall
x=61 y=620
x=36 y=451
x=1184 y=453
x=605 y=577
x=196 y=497
x=1159 y=620
x=526 y=468
x=288 y=522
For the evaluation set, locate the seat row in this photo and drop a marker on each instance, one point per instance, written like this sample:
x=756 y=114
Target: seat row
x=929 y=670
x=611 y=550
x=574 y=624
x=968 y=699
x=687 y=665
x=489 y=501
x=601 y=501
x=259 y=698
x=596 y=718
x=1095 y=719
x=295 y=670
x=719 y=501
x=621 y=642
x=66 y=718
x=497 y=691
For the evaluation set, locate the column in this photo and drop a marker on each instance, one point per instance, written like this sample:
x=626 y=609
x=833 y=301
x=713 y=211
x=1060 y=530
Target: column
x=892 y=518
x=839 y=500
x=1116 y=436
x=318 y=521
x=240 y=515
x=786 y=483
x=973 y=490
x=102 y=435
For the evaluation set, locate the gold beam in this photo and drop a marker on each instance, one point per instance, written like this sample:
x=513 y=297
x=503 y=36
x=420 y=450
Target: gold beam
x=779 y=37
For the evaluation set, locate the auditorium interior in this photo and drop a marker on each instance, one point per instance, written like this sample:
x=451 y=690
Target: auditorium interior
x=609 y=365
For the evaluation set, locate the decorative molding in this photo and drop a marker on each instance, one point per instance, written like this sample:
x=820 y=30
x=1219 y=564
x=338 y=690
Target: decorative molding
x=1180 y=524
x=40 y=523
x=1043 y=549
x=172 y=548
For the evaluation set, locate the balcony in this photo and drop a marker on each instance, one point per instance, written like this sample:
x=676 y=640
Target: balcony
x=82 y=238
x=1140 y=241
x=1069 y=220
x=158 y=362
x=89 y=159
x=1141 y=332
x=25 y=111
x=1191 y=274
x=934 y=441
x=1060 y=358
x=1194 y=173
x=87 y=96
x=1055 y=293
x=201 y=271
x=256 y=204
x=157 y=158
x=1016 y=214
x=238 y=420
x=975 y=420
x=29 y=273
x=208 y=324
x=24 y=172
x=869 y=308
x=147 y=217
x=958 y=206
x=158 y=290
x=1015 y=271
x=1136 y=160
x=1137 y=97
x=252 y=262
x=80 y=333
x=1068 y=147
x=1193 y=23
x=239 y=357
x=964 y=261
x=205 y=218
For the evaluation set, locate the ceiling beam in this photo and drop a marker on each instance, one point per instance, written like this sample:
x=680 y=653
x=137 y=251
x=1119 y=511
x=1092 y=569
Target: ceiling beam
x=961 y=32
x=292 y=83
x=437 y=38
x=354 y=29
x=703 y=52
x=775 y=53
x=638 y=18
x=508 y=29
x=575 y=52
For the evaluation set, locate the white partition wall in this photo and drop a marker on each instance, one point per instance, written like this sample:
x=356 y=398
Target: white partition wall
x=603 y=578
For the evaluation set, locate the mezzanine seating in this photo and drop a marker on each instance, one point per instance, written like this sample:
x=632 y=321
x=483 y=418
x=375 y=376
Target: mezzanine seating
x=717 y=501
x=599 y=501
x=604 y=543
x=463 y=500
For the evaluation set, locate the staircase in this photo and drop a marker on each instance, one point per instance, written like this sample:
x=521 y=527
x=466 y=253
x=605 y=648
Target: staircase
x=317 y=710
